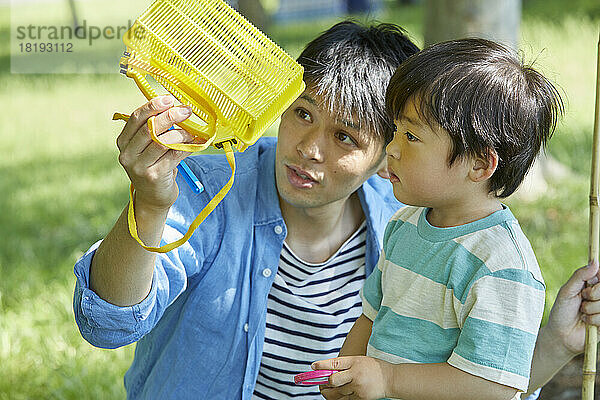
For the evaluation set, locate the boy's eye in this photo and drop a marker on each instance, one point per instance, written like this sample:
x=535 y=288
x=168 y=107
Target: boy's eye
x=345 y=138
x=303 y=114
x=410 y=137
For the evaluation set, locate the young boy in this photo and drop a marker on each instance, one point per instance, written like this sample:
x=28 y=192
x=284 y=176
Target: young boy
x=453 y=309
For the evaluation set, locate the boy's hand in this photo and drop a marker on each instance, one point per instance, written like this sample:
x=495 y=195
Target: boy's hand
x=360 y=377
x=575 y=304
x=150 y=166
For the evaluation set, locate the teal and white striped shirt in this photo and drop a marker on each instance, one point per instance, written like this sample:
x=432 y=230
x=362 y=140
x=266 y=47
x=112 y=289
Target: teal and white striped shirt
x=471 y=295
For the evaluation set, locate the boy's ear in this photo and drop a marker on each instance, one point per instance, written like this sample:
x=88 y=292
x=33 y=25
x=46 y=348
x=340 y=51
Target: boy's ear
x=484 y=167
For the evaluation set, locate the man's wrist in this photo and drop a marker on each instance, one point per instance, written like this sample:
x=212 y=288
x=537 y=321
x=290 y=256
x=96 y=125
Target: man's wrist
x=549 y=338
x=550 y=355
x=145 y=209
x=150 y=221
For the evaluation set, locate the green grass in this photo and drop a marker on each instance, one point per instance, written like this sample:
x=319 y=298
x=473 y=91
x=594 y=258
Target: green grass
x=62 y=188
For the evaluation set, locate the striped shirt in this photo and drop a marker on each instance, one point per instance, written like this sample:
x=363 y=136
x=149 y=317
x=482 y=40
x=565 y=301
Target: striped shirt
x=310 y=309
x=471 y=295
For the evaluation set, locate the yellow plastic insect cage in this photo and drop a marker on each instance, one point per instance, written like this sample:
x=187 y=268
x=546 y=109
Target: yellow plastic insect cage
x=210 y=58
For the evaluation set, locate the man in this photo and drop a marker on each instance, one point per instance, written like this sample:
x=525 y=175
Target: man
x=269 y=282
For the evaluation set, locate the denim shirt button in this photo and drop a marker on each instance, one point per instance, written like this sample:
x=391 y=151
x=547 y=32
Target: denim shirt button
x=278 y=229
x=246 y=327
x=267 y=272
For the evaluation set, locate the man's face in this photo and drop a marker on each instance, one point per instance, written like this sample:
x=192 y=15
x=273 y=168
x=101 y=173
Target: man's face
x=320 y=159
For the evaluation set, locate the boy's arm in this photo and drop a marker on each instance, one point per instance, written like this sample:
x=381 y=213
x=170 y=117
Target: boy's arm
x=371 y=296
x=441 y=381
x=370 y=378
x=358 y=338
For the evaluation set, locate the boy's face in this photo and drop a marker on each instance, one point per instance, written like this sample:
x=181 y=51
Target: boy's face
x=319 y=159
x=417 y=160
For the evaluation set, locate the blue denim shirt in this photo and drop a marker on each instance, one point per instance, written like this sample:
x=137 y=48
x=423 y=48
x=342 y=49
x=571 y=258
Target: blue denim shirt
x=200 y=331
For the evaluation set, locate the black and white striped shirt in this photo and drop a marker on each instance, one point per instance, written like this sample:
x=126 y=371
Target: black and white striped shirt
x=310 y=309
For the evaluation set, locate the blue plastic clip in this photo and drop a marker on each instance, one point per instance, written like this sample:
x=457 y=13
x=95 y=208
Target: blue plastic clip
x=191 y=179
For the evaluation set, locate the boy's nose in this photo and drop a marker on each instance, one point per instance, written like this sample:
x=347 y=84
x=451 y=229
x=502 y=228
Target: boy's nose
x=392 y=150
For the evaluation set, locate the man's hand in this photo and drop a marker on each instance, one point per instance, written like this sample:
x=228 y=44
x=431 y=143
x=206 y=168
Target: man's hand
x=360 y=377
x=563 y=337
x=575 y=305
x=121 y=271
x=150 y=166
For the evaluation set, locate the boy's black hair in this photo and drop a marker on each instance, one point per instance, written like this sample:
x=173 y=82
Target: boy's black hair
x=485 y=98
x=350 y=65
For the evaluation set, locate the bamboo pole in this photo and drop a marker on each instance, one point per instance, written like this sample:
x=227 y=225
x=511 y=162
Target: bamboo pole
x=591 y=332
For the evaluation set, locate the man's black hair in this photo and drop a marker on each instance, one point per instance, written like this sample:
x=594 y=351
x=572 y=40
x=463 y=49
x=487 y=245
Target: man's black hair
x=485 y=98
x=350 y=65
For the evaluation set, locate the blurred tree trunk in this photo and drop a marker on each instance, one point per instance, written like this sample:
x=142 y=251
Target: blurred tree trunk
x=73 y=13
x=497 y=20
x=254 y=11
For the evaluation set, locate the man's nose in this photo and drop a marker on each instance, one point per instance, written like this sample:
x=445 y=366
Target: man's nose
x=311 y=145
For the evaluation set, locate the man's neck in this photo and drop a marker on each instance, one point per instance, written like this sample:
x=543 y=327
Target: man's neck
x=315 y=234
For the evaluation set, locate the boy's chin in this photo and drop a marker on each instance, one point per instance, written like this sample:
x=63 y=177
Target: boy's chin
x=403 y=198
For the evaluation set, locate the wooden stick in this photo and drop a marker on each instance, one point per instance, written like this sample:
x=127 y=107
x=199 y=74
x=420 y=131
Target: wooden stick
x=591 y=332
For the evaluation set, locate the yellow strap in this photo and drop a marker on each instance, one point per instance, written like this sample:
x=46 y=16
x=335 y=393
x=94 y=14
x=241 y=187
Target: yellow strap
x=203 y=214
x=191 y=89
x=199 y=219
x=189 y=147
x=124 y=117
x=137 y=68
x=192 y=127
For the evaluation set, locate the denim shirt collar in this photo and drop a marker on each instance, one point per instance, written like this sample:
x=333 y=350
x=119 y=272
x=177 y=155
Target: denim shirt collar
x=379 y=204
x=267 y=208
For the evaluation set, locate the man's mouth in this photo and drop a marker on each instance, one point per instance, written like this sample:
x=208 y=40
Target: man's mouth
x=300 y=178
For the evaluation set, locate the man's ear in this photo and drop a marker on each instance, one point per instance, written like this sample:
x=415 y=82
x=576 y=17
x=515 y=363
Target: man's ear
x=382 y=170
x=484 y=167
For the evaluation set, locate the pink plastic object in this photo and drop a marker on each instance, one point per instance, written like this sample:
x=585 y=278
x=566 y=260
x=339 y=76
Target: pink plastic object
x=313 y=377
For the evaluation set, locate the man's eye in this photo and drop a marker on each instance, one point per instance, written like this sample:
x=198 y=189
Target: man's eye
x=303 y=114
x=345 y=138
x=410 y=137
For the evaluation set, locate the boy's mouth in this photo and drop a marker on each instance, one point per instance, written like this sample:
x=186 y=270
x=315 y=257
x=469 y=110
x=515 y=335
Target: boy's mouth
x=392 y=177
